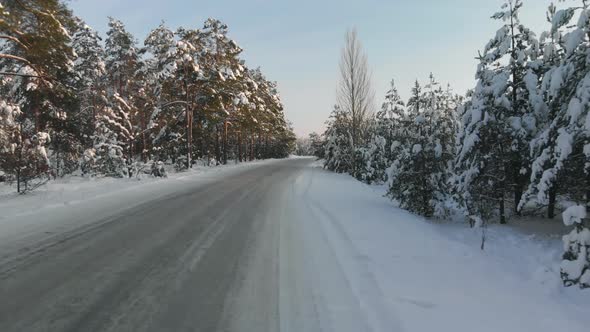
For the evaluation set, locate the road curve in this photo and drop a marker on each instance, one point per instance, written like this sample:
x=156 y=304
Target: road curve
x=204 y=259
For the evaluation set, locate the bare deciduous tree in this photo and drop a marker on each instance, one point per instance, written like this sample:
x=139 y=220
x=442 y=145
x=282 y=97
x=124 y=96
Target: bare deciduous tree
x=355 y=92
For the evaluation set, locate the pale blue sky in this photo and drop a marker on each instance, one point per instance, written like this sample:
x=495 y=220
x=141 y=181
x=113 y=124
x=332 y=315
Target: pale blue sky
x=297 y=43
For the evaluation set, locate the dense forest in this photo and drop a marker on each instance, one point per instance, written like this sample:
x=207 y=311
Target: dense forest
x=518 y=143
x=73 y=101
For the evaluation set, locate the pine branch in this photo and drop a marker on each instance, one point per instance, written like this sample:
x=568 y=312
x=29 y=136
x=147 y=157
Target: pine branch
x=25 y=61
x=15 y=40
x=21 y=75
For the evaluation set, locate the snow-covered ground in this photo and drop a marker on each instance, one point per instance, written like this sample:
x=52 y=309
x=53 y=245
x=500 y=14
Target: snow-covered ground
x=42 y=213
x=410 y=274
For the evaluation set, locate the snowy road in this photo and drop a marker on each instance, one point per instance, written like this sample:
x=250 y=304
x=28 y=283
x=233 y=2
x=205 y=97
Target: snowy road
x=231 y=254
x=275 y=246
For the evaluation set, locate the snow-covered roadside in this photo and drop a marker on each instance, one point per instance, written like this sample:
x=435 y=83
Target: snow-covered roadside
x=424 y=276
x=74 y=202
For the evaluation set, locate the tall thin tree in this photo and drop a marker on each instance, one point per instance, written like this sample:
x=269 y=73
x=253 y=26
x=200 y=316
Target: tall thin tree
x=355 y=92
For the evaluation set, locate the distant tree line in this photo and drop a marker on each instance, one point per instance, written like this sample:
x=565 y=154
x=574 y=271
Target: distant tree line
x=517 y=143
x=70 y=101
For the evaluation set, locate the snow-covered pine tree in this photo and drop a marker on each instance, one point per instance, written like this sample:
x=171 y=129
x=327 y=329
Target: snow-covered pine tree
x=11 y=145
x=90 y=82
x=561 y=151
x=246 y=105
x=394 y=114
x=125 y=111
x=479 y=176
x=112 y=140
x=575 y=267
x=402 y=145
x=551 y=54
x=316 y=145
x=160 y=92
x=121 y=58
x=338 y=145
x=221 y=69
x=497 y=128
x=180 y=131
x=280 y=137
x=9 y=127
x=161 y=46
x=377 y=155
x=421 y=170
x=36 y=75
x=373 y=161
x=22 y=158
x=263 y=116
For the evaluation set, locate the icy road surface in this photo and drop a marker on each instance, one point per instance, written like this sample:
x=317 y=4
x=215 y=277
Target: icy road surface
x=231 y=254
x=278 y=246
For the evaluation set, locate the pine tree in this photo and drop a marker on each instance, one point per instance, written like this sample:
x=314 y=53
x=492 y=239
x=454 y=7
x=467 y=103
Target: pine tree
x=188 y=74
x=112 y=140
x=161 y=45
x=561 y=151
x=575 y=267
x=122 y=57
x=497 y=128
x=90 y=79
x=185 y=95
x=21 y=157
x=221 y=79
x=377 y=155
x=124 y=105
x=317 y=145
x=373 y=162
x=158 y=95
x=421 y=169
x=37 y=72
x=391 y=119
x=338 y=138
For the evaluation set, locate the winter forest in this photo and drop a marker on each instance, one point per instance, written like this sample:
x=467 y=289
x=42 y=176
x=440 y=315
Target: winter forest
x=516 y=144
x=72 y=101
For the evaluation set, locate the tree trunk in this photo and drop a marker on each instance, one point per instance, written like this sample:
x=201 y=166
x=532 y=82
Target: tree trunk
x=502 y=212
x=57 y=159
x=259 y=146
x=552 y=199
x=37 y=120
x=266 y=154
x=143 y=138
x=239 y=146
x=517 y=197
x=225 y=142
x=251 y=146
x=189 y=126
x=18 y=179
x=204 y=139
x=217 y=147
x=20 y=158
